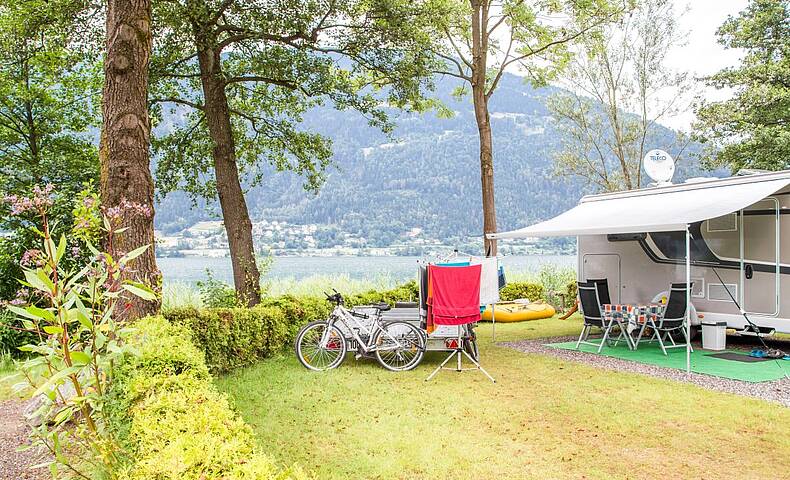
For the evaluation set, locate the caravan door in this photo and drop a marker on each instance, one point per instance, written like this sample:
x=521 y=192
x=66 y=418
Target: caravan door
x=760 y=257
x=603 y=265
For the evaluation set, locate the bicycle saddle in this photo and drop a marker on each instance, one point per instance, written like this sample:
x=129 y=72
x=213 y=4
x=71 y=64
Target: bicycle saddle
x=382 y=307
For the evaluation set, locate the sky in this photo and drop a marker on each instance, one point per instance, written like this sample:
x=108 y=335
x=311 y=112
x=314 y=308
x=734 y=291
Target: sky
x=703 y=55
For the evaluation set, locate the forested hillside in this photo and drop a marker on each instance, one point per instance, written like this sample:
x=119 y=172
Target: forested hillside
x=427 y=176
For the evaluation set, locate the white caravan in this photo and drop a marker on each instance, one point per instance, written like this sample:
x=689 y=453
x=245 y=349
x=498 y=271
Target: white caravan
x=739 y=238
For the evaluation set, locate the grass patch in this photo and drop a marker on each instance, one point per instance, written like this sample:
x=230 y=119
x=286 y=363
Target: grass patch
x=545 y=418
x=7 y=377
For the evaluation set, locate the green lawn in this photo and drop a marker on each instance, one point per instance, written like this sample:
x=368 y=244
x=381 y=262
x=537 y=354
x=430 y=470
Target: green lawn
x=545 y=418
x=7 y=379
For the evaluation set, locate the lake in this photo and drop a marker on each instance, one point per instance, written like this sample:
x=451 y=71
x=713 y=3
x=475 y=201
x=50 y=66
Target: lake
x=192 y=269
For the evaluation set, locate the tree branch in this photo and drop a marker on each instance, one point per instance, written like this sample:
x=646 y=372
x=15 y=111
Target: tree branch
x=457 y=50
x=554 y=43
x=179 y=101
x=220 y=11
x=501 y=71
x=460 y=73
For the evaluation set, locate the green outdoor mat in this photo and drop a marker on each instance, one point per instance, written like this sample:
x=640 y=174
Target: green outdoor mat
x=701 y=361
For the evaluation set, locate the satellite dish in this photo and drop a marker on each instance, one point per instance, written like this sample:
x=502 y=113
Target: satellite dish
x=659 y=166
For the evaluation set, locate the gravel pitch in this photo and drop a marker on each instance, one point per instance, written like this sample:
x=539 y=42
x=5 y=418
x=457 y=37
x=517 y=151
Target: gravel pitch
x=777 y=391
x=16 y=465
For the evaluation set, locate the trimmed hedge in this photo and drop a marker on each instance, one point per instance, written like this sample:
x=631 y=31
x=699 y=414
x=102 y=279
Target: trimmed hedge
x=170 y=420
x=532 y=291
x=234 y=337
x=536 y=291
x=408 y=292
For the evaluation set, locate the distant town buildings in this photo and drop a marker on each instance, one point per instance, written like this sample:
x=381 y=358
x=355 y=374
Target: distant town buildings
x=208 y=239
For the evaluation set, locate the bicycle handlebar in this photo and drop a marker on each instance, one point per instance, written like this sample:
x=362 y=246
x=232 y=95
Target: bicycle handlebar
x=337 y=298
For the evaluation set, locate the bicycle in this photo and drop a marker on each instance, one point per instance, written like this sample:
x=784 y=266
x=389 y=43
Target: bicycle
x=397 y=345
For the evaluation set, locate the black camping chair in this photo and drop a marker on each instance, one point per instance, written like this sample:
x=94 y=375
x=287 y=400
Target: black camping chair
x=672 y=319
x=593 y=317
x=602 y=286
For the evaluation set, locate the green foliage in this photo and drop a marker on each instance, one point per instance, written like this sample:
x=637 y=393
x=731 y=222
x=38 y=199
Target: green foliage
x=546 y=284
x=752 y=129
x=172 y=422
x=77 y=339
x=215 y=293
x=571 y=291
x=276 y=60
x=22 y=233
x=611 y=112
x=556 y=280
x=234 y=337
x=408 y=292
x=531 y=291
x=49 y=87
x=239 y=336
x=537 y=36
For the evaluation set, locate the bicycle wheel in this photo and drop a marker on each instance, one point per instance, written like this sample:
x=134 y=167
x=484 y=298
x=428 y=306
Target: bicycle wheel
x=320 y=349
x=399 y=346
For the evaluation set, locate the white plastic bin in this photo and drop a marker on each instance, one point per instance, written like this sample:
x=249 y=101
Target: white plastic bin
x=714 y=335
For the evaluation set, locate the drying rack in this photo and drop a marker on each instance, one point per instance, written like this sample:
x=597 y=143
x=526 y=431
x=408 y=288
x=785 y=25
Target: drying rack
x=454 y=255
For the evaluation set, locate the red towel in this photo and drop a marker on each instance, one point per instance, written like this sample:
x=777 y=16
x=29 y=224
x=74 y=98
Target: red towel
x=455 y=295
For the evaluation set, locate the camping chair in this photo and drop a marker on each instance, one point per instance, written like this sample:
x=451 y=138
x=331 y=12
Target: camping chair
x=672 y=319
x=602 y=286
x=591 y=312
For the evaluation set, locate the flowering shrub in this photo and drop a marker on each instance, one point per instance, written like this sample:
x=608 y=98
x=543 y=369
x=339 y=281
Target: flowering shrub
x=72 y=311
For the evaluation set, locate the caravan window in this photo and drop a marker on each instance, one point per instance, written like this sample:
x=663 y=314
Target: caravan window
x=723 y=237
x=672 y=245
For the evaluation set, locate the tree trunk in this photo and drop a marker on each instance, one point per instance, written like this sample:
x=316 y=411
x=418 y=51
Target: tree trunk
x=124 y=151
x=486 y=173
x=483 y=119
x=246 y=277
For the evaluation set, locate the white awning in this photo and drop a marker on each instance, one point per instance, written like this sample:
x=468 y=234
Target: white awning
x=657 y=209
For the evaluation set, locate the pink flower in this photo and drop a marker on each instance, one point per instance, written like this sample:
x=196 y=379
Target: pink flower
x=41 y=199
x=127 y=209
x=19 y=205
x=32 y=257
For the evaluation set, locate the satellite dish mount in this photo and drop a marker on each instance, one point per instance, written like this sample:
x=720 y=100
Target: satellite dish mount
x=659 y=166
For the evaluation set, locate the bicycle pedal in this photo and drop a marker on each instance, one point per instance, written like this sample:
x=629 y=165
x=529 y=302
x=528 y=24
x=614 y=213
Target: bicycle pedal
x=357 y=356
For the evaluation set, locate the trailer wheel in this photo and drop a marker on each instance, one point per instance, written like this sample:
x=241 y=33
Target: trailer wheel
x=470 y=344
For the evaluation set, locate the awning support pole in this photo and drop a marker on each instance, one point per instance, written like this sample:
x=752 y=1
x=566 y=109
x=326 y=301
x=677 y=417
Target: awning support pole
x=493 y=322
x=688 y=300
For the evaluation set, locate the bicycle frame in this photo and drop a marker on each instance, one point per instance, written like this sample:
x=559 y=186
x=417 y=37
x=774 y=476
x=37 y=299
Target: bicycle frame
x=350 y=321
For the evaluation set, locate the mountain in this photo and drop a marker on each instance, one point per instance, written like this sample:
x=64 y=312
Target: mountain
x=427 y=177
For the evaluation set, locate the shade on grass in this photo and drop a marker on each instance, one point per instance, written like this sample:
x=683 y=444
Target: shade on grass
x=701 y=361
x=545 y=418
